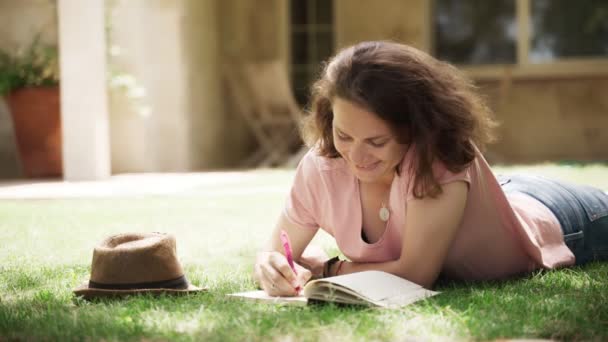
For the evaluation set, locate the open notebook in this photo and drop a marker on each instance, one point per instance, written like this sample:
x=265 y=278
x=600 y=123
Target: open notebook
x=372 y=288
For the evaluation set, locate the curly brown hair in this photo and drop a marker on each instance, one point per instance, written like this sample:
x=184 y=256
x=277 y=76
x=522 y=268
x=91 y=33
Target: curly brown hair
x=427 y=103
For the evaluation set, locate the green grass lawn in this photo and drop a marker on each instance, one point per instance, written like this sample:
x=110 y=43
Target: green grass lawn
x=46 y=248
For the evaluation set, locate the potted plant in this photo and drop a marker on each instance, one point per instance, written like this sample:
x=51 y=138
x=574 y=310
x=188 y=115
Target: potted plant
x=29 y=81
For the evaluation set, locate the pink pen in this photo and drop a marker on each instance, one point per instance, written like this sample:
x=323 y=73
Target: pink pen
x=288 y=254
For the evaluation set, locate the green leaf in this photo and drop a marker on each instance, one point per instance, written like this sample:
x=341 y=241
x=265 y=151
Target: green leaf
x=36 y=65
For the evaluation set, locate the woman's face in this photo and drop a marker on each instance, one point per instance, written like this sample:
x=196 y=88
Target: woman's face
x=365 y=142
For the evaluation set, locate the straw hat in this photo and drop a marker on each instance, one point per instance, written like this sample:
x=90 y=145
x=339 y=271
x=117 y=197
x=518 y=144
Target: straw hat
x=135 y=263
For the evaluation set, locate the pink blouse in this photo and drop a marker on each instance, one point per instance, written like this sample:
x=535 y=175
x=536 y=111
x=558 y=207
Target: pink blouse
x=499 y=235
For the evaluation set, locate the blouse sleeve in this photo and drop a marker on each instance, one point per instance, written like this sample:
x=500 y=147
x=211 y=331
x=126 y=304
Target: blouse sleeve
x=443 y=176
x=301 y=207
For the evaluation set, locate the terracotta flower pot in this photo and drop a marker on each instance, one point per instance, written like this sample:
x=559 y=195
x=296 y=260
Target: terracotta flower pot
x=37 y=123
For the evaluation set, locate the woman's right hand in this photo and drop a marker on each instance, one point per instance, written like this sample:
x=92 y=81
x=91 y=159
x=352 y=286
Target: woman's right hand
x=274 y=275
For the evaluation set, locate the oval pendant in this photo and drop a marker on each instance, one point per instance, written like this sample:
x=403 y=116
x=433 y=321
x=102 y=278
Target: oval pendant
x=384 y=214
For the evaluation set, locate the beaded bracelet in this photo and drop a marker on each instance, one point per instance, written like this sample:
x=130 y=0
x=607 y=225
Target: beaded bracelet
x=327 y=266
x=339 y=267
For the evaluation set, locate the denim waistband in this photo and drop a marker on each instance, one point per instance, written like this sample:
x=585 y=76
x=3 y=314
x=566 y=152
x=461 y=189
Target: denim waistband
x=574 y=205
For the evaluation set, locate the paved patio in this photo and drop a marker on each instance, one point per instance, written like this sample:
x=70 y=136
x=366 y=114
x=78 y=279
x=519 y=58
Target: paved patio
x=127 y=185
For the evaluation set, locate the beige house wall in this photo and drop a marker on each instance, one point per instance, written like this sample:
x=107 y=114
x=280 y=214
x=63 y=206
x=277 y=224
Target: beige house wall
x=22 y=20
x=555 y=119
x=253 y=30
x=168 y=103
x=397 y=20
x=176 y=52
x=544 y=115
x=249 y=31
x=152 y=114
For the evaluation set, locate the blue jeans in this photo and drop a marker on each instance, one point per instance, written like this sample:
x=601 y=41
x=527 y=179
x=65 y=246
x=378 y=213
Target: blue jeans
x=582 y=212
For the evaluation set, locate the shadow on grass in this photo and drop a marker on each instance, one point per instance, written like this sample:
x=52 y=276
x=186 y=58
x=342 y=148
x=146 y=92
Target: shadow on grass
x=568 y=304
x=193 y=317
x=46 y=309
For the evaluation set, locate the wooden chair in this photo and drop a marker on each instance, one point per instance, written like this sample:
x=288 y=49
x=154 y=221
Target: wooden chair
x=262 y=96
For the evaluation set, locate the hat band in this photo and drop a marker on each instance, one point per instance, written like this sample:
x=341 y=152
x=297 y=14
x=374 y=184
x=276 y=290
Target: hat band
x=177 y=283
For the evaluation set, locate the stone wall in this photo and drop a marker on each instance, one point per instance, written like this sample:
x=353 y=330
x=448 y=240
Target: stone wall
x=550 y=120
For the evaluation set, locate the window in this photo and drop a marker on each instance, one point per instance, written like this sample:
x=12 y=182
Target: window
x=312 y=41
x=520 y=32
x=476 y=31
x=565 y=28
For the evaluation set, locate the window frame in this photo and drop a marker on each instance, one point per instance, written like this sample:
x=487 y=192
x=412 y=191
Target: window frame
x=311 y=28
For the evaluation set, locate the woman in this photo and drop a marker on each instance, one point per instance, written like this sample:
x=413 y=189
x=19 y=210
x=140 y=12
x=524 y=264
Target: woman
x=395 y=176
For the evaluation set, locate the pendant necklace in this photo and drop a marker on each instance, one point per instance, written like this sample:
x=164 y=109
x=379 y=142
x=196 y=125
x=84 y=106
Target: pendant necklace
x=384 y=213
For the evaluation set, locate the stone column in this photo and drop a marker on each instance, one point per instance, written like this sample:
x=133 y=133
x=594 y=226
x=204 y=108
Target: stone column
x=84 y=107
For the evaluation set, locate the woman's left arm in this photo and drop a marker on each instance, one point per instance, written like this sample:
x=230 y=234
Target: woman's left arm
x=430 y=228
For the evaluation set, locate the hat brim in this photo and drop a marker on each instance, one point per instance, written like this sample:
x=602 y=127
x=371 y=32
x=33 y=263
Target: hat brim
x=88 y=293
